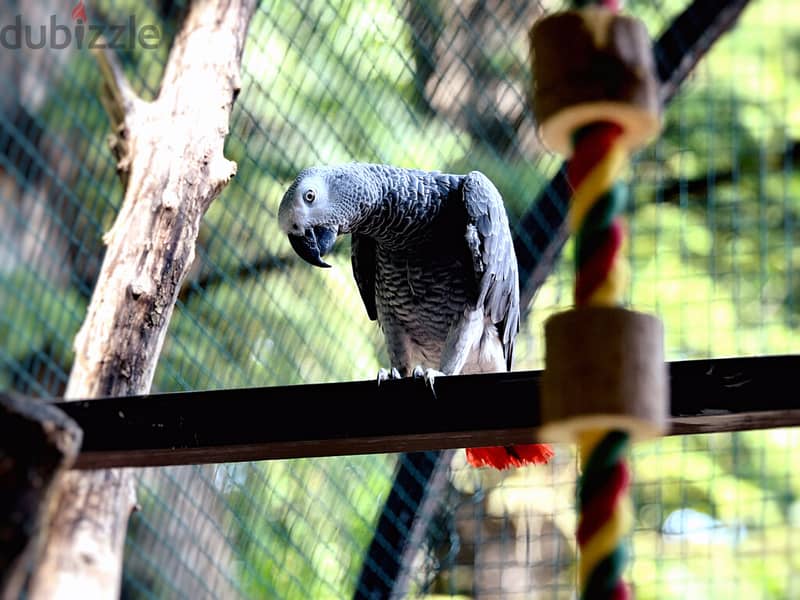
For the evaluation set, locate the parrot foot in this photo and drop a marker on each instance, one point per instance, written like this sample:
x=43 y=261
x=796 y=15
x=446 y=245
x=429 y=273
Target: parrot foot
x=429 y=375
x=386 y=374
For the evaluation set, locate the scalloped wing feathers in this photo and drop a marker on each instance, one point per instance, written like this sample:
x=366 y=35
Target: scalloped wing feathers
x=495 y=262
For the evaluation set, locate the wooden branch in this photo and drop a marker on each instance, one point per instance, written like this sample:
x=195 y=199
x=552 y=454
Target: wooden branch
x=400 y=535
x=38 y=442
x=171 y=152
x=690 y=36
x=117 y=96
x=435 y=487
x=261 y=266
x=295 y=421
x=672 y=190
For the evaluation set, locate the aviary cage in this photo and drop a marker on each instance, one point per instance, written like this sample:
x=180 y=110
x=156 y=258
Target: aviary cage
x=299 y=480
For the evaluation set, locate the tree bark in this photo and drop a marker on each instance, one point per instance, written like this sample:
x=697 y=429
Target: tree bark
x=170 y=154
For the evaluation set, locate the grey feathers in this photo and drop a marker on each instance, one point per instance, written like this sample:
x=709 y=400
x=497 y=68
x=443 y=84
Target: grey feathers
x=362 y=255
x=495 y=261
x=432 y=256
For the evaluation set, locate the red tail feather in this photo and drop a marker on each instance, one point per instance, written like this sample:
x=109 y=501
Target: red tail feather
x=503 y=457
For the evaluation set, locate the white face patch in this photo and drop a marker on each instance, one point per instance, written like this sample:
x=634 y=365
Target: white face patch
x=306 y=205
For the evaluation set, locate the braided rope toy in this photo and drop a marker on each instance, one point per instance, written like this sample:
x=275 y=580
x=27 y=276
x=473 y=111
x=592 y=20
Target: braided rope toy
x=605 y=379
x=606 y=514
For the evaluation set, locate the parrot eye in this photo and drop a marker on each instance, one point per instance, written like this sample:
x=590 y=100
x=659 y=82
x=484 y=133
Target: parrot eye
x=310 y=196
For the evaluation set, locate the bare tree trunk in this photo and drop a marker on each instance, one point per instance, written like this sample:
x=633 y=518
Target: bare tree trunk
x=170 y=155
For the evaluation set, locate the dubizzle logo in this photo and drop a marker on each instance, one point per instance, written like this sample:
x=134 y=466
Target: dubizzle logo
x=79 y=13
x=57 y=35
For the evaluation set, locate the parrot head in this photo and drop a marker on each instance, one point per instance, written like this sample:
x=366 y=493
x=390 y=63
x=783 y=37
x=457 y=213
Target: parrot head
x=305 y=216
x=321 y=204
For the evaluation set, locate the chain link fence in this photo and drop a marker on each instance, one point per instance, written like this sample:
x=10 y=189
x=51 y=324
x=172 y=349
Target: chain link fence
x=435 y=85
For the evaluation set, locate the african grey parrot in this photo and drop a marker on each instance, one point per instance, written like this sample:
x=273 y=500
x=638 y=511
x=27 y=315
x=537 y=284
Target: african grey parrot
x=434 y=262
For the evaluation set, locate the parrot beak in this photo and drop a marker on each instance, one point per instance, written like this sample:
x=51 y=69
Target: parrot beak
x=314 y=244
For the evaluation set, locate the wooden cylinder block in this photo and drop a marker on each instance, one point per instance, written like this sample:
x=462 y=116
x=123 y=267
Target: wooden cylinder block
x=593 y=65
x=604 y=369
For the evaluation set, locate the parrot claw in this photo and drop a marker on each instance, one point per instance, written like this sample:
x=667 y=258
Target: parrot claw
x=386 y=374
x=429 y=375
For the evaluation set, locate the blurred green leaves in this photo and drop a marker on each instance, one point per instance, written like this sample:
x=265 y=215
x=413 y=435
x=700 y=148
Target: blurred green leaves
x=714 y=248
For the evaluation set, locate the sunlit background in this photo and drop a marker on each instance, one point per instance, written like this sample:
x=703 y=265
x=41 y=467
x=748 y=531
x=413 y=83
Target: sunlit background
x=439 y=85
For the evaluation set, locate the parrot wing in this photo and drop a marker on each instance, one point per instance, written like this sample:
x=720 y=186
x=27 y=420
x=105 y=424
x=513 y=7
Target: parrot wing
x=496 y=272
x=494 y=260
x=362 y=257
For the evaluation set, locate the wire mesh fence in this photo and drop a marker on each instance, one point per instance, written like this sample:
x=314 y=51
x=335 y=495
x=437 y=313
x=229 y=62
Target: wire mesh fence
x=434 y=85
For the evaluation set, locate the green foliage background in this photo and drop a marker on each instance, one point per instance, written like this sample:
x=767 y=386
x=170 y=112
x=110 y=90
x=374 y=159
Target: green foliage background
x=714 y=249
